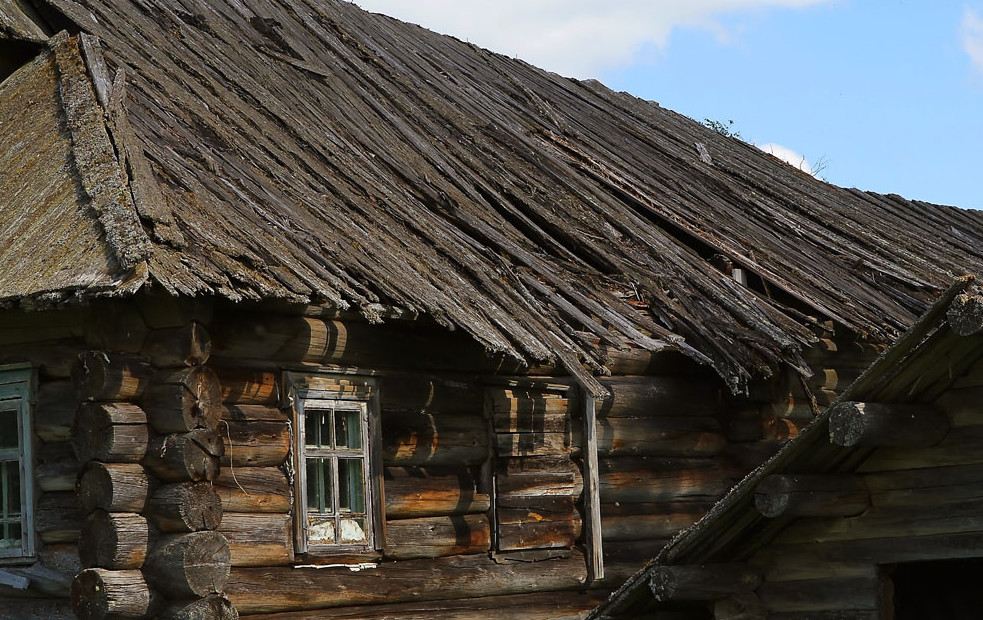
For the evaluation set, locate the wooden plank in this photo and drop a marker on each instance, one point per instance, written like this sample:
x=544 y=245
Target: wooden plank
x=592 y=493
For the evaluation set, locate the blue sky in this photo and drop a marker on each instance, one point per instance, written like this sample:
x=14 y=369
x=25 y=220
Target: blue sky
x=882 y=95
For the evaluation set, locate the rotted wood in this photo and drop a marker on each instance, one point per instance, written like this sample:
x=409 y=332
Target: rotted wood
x=185 y=507
x=113 y=540
x=189 y=565
x=110 y=432
x=965 y=314
x=54 y=413
x=253 y=442
x=109 y=377
x=281 y=589
x=255 y=489
x=101 y=594
x=433 y=537
x=702 y=583
x=656 y=479
x=814 y=495
x=113 y=487
x=427 y=492
x=246 y=386
x=178 y=401
x=57 y=467
x=434 y=440
x=212 y=607
x=887 y=425
x=260 y=539
x=58 y=518
x=538 y=475
x=187 y=345
x=419 y=393
x=180 y=457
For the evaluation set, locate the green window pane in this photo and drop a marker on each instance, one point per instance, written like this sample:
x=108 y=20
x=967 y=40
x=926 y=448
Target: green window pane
x=319 y=486
x=317 y=426
x=10 y=479
x=348 y=429
x=351 y=486
x=9 y=437
x=352 y=530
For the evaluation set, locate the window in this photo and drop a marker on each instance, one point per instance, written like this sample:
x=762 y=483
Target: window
x=335 y=481
x=16 y=476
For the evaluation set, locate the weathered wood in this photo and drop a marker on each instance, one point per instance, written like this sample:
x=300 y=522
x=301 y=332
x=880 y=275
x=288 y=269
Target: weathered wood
x=413 y=393
x=255 y=489
x=434 y=537
x=113 y=540
x=187 y=345
x=100 y=594
x=593 y=537
x=108 y=377
x=811 y=495
x=653 y=479
x=260 y=539
x=659 y=396
x=254 y=443
x=54 y=413
x=58 y=518
x=161 y=311
x=114 y=326
x=246 y=386
x=965 y=314
x=515 y=422
x=532 y=444
x=700 y=583
x=57 y=467
x=623 y=559
x=658 y=436
x=180 y=457
x=269 y=590
x=212 y=607
x=427 y=439
x=959 y=447
x=887 y=425
x=113 y=487
x=540 y=475
x=189 y=565
x=47 y=608
x=185 y=507
x=744 y=606
x=850 y=593
x=535 y=528
x=177 y=401
x=623 y=522
x=418 y=492
x=110 y=432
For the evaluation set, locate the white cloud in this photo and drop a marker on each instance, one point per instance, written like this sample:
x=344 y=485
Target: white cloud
x=789 y=156
x=578 y=38
x=971 y=33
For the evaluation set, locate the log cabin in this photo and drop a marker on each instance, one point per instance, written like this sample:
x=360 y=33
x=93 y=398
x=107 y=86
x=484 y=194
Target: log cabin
x=872 y=512
x=307 y=312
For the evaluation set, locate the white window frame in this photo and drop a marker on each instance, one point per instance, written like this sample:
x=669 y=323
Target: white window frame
x=304 y=398
x=16 y=389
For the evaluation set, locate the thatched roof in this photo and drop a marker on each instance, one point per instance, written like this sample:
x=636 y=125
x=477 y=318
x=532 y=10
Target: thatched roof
x=307 y=150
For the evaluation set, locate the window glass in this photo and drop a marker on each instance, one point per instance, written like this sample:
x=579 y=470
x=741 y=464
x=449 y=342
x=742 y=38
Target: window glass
x=351 y=486
x=9 y=437
x=348 y=429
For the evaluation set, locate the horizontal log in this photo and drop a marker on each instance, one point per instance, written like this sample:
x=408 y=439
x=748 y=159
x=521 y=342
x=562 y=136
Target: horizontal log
x=161 y=310
x=532 y=444
x=177 y=401
x=417 y=492
x=212 y=607
x=254 y=443
x=416 y=393
x=432 y=440
x=538 y=475
x=744 y=606
x=887 y=425
x=98 y=593
x=622 y=559
x=184 y=507
x=818 y=595
x=657 y=436
x=660 y=396
x=54 y=413
x=57 y=467
x=514 y=422
x=521 y=531
x=625 y=522
x=814 y=495
x=113 y=487
x=929 y=485
x=652 y=479
x=434 y=537
x=235 y=412
x=110 y=432
x=170 y=347
x=245 y=386
x=115 y=326
x=270 y=590
x=260 y=539
x=104 y=377
x=254 y=489
x=55 y=359
x=888 y=550
x=47 y=608
x=702 y=583
x=114 y=540
x=957 y=448
x=58 y=518
x=179 y=457
x=189 y=565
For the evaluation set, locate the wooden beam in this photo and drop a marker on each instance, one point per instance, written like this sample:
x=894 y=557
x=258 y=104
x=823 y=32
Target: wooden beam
x=965 y=314
x=811 y=496
x=886 y=425
x=709 y=582
x=592 y=493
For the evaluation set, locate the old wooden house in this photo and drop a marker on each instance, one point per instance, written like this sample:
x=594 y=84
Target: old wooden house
x=306 y=311
x=874 y=511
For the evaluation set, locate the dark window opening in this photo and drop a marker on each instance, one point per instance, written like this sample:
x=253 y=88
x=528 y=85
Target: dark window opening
x=941 y=590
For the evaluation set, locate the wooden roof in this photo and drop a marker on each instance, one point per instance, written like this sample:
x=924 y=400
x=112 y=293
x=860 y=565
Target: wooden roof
x=306 y=150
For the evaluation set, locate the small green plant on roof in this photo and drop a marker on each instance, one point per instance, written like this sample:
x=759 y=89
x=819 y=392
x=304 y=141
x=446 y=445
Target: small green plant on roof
x=724 y=129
